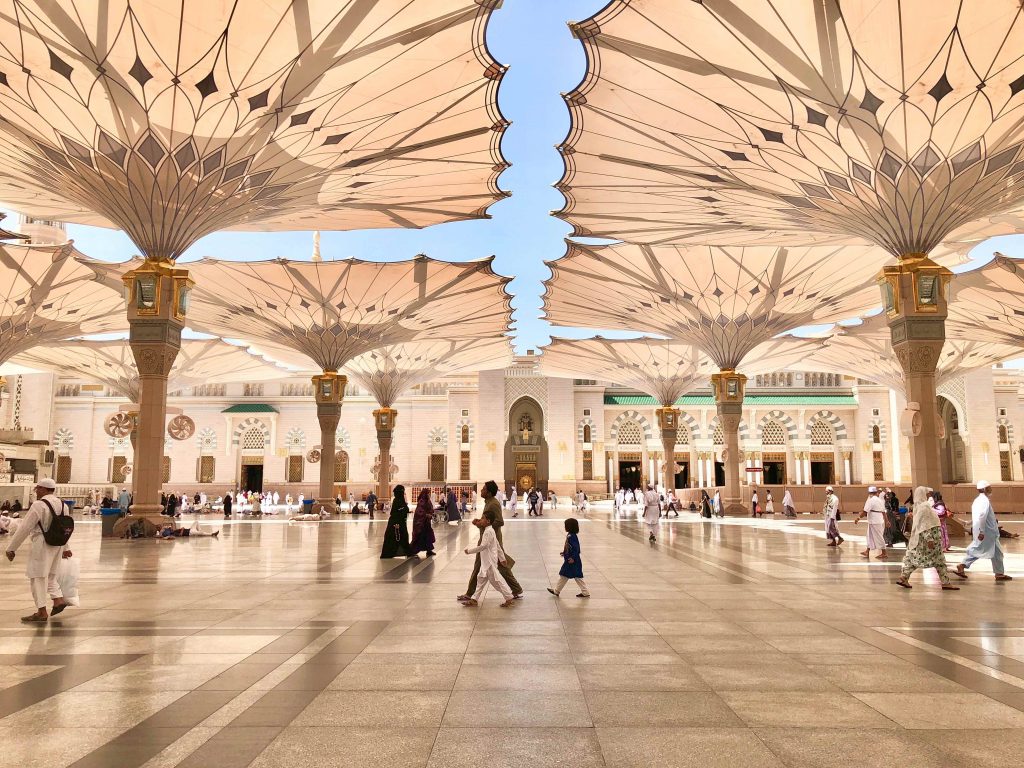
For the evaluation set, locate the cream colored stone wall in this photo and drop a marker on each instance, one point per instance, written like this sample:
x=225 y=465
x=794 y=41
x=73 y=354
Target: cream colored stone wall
x=484 y=398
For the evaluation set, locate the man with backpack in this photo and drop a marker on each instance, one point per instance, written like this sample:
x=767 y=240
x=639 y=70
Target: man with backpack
x=49 y=527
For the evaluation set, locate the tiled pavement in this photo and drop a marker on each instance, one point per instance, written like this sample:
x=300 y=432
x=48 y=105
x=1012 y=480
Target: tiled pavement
x=735 y=643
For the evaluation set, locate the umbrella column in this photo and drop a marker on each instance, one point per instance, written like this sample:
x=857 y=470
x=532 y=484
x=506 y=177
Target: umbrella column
x=728 y=387
x=157 y=298
x=914 y=294
x=329 y=391
x=668 y=422
x=384 y=419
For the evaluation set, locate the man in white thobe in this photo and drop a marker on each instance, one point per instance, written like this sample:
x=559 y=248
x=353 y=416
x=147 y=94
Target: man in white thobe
x=831 y=512
x=124 y=500
x=43 y=559
x=874 y=509
x=652 y=511
x=985 y=530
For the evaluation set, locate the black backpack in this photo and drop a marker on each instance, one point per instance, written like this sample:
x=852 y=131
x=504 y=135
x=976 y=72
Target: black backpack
x=61 y=527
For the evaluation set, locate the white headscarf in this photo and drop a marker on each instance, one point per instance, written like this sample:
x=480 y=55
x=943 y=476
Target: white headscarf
x=924 y=516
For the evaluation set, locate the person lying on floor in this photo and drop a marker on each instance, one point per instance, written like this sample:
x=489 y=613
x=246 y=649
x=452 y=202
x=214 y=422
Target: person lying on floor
x=170 y=532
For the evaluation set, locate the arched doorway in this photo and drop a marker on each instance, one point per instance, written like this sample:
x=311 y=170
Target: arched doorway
x=526 y=450
x=954 y=453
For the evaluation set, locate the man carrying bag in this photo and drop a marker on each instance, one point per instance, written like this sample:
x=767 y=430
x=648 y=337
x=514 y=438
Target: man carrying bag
x=50 y=528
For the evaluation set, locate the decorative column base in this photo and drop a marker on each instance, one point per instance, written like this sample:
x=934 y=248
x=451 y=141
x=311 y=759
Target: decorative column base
x=728 y=387
x=384 y=419
x=328 y=391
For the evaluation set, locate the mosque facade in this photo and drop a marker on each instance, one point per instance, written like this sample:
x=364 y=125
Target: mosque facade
x=515 y=425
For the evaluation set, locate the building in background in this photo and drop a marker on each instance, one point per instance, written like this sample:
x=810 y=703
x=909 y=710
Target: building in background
x=526 y=429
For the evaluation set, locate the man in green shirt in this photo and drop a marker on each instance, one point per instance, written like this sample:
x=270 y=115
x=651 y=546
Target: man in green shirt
x=490 y=491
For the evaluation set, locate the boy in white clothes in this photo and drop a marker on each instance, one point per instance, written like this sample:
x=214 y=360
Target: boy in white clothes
x=491 y=554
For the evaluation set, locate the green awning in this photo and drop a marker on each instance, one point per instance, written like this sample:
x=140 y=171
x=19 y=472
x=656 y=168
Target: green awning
x=752 y=400
x=250 y=408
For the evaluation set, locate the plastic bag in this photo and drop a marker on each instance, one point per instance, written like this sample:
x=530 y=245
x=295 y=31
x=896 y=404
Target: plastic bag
x=67 y=576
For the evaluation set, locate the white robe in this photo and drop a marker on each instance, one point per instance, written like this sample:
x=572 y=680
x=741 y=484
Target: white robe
x=983 y=520
x=652 y=507
x=490 y=552
x=43 y=558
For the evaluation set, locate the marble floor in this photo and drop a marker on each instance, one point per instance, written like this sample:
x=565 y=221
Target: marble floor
x=736 y=643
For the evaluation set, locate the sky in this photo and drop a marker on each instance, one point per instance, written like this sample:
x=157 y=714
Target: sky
x=544 y=60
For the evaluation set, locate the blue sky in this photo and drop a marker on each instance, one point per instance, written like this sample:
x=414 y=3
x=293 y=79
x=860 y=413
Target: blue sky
x=532 y=38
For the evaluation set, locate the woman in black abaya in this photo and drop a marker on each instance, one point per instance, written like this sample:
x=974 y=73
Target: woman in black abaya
x=396 y=536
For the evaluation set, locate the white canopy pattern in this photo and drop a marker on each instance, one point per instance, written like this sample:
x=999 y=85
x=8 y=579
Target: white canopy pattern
x=391 y=370
x=174 y=119
x=724 y=300
x=112 y=363
x=714 y=121
x=664 y=369
x=329 y=312
x=47 y=295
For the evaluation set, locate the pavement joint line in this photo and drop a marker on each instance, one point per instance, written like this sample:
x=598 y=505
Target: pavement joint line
x=955 y=658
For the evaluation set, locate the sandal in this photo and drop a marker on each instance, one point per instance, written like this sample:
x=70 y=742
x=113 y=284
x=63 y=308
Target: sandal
x=552 y=592
x=57 y=609
x=470 y=603
x=507 y=603
x=904 y=584
x=34 y=618
x=950 y=587
x=1003 y=577
x=959 y=571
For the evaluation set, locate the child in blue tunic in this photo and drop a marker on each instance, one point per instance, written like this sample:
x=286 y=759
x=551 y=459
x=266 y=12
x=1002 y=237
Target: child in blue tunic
x=572 y=565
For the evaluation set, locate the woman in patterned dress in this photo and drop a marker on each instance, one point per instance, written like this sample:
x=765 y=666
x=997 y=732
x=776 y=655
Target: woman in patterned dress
x=924 y=549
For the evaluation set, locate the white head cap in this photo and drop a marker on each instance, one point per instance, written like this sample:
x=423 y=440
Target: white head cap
x=47 y=482
x=828 y=489
x=872 y=489
x=983 y=484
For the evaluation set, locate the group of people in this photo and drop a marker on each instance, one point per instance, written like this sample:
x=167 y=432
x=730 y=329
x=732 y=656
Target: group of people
x=532 y=497
x=493 y=565
x=928 y=539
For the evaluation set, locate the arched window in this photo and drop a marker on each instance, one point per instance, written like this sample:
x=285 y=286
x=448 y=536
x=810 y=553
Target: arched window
x=341 y=467
x=252 y=439
x=683 y=435
x=718 y=437
x=821 y=433
x=1004 y=435
x=586 y=433
x=630 y=433
x=465 y=433
x=773 y=433
x=876 y=434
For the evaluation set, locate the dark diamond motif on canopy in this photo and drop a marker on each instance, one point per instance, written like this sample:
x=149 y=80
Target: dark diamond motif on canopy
x=139 y=72
x=58 y=65
x=941 y=89
x=151 y=151
x=207 y=85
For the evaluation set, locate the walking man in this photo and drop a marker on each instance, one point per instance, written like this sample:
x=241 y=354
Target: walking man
x=874 y=509
x=985 y=529
x=831 y=518
x=43 y=559
x=754 y=507
x=497 y=521
x=652 y=511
